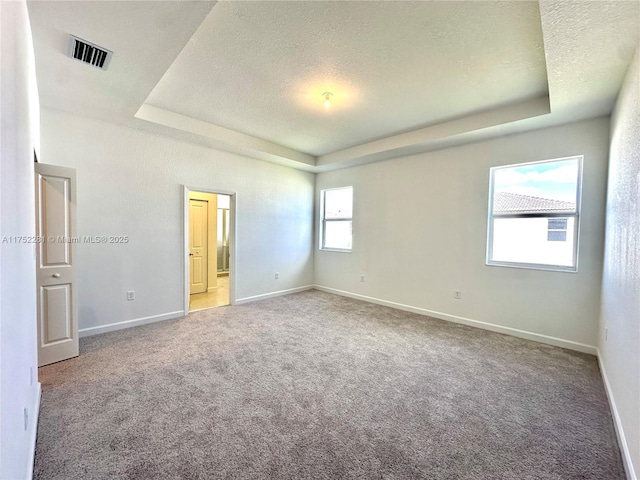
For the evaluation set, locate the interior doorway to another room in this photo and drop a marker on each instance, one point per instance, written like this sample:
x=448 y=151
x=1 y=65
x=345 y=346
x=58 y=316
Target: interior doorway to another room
x=208 y=242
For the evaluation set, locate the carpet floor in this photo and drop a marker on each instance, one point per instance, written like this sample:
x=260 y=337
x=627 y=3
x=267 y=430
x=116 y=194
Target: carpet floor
x=317 y=386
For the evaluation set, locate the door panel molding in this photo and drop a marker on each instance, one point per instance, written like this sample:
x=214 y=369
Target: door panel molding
x=53 y=299
x=54 y=194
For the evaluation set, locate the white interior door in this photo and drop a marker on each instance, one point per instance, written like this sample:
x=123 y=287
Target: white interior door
x=198 y=239
x=55 y=260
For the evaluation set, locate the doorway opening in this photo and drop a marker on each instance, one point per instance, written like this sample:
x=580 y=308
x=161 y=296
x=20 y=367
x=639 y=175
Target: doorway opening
x=209 y=236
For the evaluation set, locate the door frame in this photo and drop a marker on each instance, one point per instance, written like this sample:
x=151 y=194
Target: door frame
x=185 y=240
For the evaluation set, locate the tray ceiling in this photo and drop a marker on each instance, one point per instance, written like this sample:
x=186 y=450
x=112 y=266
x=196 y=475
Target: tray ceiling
x=406 y=77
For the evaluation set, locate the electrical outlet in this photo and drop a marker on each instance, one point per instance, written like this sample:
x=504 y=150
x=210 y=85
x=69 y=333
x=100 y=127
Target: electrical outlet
x=457 y=294
x=277 y=275
x=131 y=295
x=26 y=419
x=606 y=333
x=362 y=278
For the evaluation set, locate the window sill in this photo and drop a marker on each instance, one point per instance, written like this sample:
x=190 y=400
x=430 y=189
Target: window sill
x=338 y=250
x=532 y=266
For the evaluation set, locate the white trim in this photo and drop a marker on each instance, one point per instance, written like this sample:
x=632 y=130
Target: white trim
x=33 y=433
x=617 y=423
x=531 y=266
x=264 y=296
x=111 y=327
x=536 y=337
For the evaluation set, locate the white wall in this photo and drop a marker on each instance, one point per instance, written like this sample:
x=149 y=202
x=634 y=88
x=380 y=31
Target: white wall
x=19 y=131
x=620 y=351
x=130 y=183
x=420 y=226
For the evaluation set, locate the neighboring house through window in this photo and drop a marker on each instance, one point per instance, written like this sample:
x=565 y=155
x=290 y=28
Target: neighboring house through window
x=336 y=214
x=534 y=215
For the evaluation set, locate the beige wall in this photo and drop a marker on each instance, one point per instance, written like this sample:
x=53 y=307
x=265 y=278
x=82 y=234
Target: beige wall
x=212 y=223
x=20 y=136
x=620 y=315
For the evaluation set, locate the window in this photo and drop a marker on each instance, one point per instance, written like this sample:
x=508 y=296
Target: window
x=534 y=213
x=336 y=212
x=557 y=230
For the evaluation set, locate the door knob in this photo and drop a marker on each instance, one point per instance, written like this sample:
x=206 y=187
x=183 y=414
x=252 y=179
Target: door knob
x=191 y=254
x=56 y=275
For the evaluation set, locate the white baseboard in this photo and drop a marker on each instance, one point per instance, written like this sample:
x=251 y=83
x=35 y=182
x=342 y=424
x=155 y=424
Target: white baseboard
x=537 y=337
x=33 y=431
x=617 y=423
x=264 y=296
x=85 y=332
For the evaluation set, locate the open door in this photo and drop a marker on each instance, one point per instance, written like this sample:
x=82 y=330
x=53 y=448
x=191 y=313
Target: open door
x=55 y=260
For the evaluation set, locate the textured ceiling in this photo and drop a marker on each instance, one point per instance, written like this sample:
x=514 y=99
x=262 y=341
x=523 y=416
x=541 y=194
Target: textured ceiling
x=589 y=47
x=260 y=67
x=407 y=77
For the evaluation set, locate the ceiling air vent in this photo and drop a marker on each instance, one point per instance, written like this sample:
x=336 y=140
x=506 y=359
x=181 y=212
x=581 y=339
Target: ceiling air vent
x=88 y=52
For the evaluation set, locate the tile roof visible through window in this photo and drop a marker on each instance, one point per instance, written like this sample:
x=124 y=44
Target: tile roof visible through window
x=506 y=202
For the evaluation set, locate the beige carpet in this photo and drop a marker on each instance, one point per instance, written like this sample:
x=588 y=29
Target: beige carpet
x=315 y=386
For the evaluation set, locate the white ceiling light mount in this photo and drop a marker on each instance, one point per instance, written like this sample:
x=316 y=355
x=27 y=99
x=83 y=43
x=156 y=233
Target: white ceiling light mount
x=327 y=99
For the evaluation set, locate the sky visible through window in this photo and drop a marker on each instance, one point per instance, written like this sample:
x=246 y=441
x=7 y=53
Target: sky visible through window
x=338 y=203
x=556 y=180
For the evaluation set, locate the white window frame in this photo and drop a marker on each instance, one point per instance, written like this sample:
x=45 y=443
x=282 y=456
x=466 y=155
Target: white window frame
x=323 y=221
x=567 y=214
